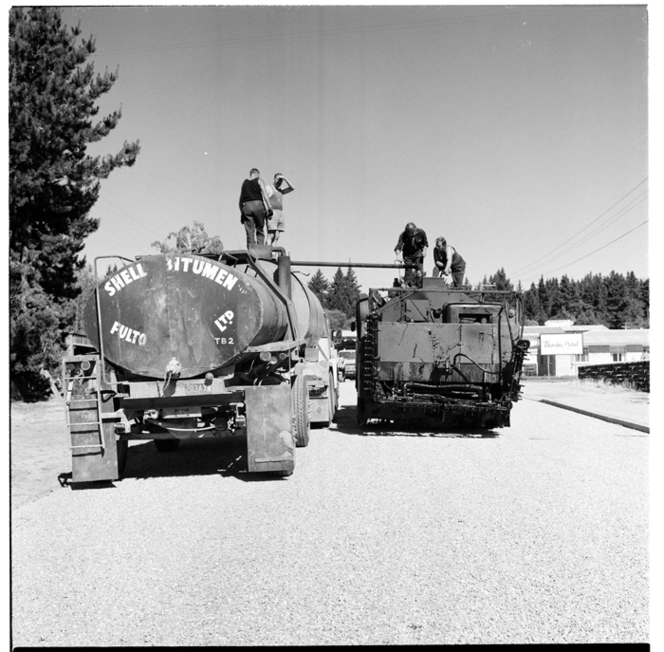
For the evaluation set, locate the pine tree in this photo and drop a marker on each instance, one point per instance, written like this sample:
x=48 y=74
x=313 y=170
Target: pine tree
x=53 y=183
x=601 y=294
x=320 y=286
x=531 y=306
x=616 y=300
x=587 y=288
x=352 y=291
x=635 y=313
x=336 y=299
x=337 y=319
x=87 y=282
x=544 y=300
x=553 y=290
x=562 y=296
x=344 y=292
x=645 y=301
x=500 y=280
x=575 y=304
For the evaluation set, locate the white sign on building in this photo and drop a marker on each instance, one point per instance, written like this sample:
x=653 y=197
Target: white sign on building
x=561 y=344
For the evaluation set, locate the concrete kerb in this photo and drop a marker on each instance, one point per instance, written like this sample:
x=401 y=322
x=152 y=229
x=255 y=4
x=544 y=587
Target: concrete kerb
x=588 y=413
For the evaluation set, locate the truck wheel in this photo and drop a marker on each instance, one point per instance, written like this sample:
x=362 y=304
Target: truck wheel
x=282 y=474
x=361 y=417
x=122 y=449
x=332 y=398
x=300 y=412
x=166 y=445
x=361 y=312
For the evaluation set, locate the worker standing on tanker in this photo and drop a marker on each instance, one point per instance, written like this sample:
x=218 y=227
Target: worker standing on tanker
x=277 y=223
x=447 y=260
x=254 y=208
x=413 y=245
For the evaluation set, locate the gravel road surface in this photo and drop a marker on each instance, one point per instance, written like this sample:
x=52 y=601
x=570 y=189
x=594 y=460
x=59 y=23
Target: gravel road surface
x=537 y=534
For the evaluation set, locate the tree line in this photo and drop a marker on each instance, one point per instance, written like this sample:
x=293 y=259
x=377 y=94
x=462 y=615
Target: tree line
x=616 y=300
x=338 y=297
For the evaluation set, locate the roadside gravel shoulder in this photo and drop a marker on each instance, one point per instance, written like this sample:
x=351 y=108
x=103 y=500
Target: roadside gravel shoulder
x=39 y=449
x=605 y=400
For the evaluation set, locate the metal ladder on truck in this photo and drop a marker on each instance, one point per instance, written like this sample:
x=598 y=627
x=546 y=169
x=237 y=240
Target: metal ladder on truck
x=90 y=421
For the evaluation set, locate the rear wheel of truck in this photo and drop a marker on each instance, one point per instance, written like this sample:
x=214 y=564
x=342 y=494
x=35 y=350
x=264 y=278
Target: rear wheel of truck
x=282 y=474
x=361 y=416
x=331 y=401
x=332 y=397
x=300 y=412
x=166 y=445
x=122 y=450
x=361 y=313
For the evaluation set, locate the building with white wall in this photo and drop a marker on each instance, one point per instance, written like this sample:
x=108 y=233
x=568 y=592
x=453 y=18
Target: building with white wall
x=559 y=347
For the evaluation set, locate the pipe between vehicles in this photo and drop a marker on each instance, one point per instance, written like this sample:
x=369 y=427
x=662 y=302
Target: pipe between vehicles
x=314 y=263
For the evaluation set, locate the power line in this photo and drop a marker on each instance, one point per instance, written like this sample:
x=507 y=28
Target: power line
x=350 y=30
x=578 y=232
x=125 y=213
x=596 y=250
x=623 y=211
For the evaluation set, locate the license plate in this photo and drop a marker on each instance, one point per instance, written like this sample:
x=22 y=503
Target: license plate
x=181 y=413
x=197 y=388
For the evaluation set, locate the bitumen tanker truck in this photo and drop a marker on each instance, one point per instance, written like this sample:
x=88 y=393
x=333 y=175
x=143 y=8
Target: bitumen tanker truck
x=198 y=345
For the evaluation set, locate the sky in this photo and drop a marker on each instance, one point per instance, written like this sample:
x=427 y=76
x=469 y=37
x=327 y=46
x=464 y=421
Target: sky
x=519 y=133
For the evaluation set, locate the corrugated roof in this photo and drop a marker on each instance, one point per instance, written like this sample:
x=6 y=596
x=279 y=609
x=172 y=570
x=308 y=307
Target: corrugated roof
x=595 y=336
x=582 y=328
x=617 y=337
x=537 y=330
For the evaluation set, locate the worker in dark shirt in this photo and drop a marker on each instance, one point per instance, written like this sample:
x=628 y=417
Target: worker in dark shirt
x=254 y=208
x=448 y=261
x=412 y=244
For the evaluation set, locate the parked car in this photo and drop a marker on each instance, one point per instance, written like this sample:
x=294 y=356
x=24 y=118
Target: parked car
x=347 y=368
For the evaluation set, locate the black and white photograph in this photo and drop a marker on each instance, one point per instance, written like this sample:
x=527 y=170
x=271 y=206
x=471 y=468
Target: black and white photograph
x=330 y=325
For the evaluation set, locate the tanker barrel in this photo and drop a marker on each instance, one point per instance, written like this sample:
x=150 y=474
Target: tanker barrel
x=309 y=315
x=198 y=310
x=284 y=275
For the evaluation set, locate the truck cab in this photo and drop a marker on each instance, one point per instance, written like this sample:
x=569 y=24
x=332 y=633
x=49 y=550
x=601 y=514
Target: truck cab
x=320 y=369
x=347 y=346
